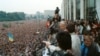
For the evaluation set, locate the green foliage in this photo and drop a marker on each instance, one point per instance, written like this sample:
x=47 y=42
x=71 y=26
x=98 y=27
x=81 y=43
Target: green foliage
x=5 y=25
x=15 y=16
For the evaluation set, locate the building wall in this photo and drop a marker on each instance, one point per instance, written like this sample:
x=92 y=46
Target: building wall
x=79 y=9
x=62 y=9
x=68 y=9
x=98 y=8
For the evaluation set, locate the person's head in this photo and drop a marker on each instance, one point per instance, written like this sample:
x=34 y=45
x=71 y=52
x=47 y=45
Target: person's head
x=86 y=33
x=86 y=22
x=57 y=10
x=64 y=40
x=88 y=40
x=62 y=25
x=71 y=28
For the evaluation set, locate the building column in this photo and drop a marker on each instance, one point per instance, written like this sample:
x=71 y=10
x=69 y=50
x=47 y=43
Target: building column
x=67 y=10
x=74 y=10
x=81 y=9
x=70 y=10
x=64 y=9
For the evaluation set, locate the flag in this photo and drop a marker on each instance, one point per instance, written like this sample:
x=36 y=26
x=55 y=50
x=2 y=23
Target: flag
x=10 y=36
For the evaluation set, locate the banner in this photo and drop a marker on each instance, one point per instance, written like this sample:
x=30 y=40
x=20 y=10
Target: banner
x=10 y=36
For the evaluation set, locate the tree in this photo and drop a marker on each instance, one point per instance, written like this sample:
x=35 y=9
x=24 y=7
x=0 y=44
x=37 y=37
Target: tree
x=11 y=16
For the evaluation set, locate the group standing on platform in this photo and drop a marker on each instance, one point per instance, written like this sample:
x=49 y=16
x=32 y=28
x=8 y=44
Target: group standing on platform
x=72 y=38
x=60 y=37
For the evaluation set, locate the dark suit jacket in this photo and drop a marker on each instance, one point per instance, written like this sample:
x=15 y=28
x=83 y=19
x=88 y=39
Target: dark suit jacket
x=93 y=51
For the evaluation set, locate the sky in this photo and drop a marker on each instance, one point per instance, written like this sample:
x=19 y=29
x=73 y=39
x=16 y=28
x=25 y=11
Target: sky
x=29 y=6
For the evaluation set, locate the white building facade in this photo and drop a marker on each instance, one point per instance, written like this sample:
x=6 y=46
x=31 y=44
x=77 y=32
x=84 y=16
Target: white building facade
x=80 y=9
x=98 y=8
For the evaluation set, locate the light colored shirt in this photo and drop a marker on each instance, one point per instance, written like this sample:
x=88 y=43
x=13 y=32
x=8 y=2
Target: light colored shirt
x=76 y=44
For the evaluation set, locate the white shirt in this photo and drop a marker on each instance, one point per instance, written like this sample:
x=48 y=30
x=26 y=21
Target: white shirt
x=76 y=44
x=51 y=48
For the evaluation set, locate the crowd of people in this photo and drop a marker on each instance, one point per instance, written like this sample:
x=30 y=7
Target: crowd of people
x=26 y=39
x=75 y=38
